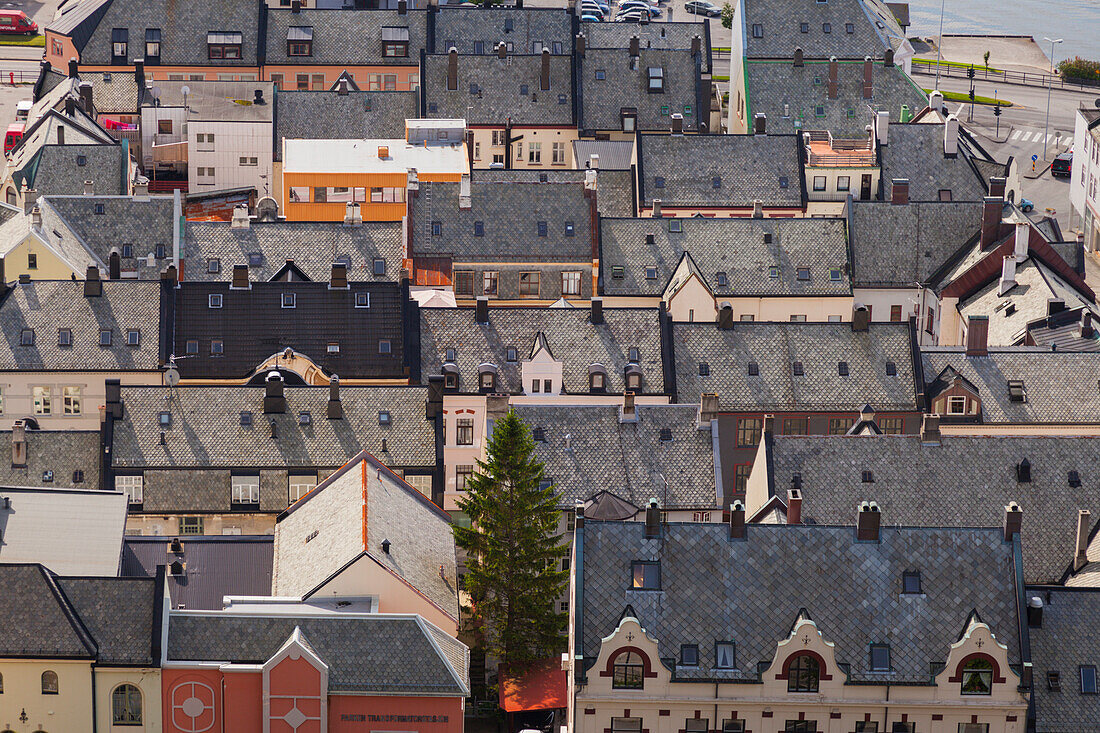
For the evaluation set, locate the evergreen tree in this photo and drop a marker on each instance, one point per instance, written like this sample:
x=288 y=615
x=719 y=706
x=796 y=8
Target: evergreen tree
x=514 y=553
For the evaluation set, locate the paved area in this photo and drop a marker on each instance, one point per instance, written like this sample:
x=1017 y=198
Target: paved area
x=1010 y=53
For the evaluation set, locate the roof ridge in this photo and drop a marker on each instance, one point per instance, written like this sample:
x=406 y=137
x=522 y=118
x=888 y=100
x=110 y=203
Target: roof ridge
x=71 y=614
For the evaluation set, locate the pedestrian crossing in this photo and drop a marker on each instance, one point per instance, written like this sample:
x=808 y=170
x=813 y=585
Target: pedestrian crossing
x=1038 y=137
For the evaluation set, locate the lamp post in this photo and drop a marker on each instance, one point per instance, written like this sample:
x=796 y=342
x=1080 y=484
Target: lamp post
x=939 y=46
x=1050 y=82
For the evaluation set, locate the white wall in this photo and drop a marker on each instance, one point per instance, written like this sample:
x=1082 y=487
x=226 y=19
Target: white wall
x=232 y=141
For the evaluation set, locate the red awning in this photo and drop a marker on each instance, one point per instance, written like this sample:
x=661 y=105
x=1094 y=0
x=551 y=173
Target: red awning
x=542 y=686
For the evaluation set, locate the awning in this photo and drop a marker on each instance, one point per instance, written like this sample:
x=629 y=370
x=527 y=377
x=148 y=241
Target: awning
x=542 y=686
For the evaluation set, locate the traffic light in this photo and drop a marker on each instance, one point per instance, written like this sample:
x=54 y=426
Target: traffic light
x=971 y=95
x=970 y=73
x=996 y=110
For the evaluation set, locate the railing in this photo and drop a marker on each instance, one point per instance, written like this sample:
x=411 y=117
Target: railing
x=16 y=76
x=166 y=186
x=1057 y=81
x=841 y=161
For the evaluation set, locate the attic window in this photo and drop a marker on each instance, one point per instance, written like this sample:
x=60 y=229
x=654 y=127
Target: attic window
x=880 y=657
x=1023 y=472
x=395 y=42
x=868 y=477
x=796 y=367
x=659 y=182
x=716 y=182
x=1016 y=390
x=834 y=274
x=773 y=272
x=289 y=300
x=754 y=369
x=362 y=300
x=569 y=229
x=704 y=369
x=651 y=273
x=379 y=265
x=784 y=182
x=543 y=228
x=165 y=419
x=757 y=30
x=64 y=337
x=618 y=272
x=449 y=355
x=891 y=369
x=675 y=225
x=539 y=435
x=910 y=582
x=666 y=435
x=223 y=45
x=849 y=28
x=632 y=355
x=600 y=74
x=1054 y=681
x=842 y=368
x=826 y=27
x=509 y=25
x=1074 y=479
x=127 y=251
x=246 y=419
x=104 y=337
x=99 y=209
x=384 y=417
x=722 y=279
x=437 y=229
x=804 y=27
x=26 y=337
x=333 y=347
x=304 y=418
x=479 y=229
x=656 y=80
x=213 y=265
x=81 y=160
x=299 y=41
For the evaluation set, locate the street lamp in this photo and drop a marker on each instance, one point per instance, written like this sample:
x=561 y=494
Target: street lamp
x=1050 y=82
x=939 y=47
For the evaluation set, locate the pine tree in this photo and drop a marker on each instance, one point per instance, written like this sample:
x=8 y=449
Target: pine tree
x=514 y=553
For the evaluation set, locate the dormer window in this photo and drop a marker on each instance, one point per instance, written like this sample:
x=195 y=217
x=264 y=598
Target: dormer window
x=689 y=655
x=221 y=45
x=977 y=677
x=26 y=337
x=214 y=300
x=633 y=378
x=910 y=582
x=289 y=300
x=656 y=80
x=956 y=405
x=487 y=377
x=632 y=354
x=628 y=118
x=597 y=378
x=450 y=376
x=120 y=41
x=395 y=42
x=299 y=41
x=152 y=45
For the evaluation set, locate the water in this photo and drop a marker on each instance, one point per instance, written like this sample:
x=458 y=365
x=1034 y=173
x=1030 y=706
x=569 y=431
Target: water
x=1076 y=21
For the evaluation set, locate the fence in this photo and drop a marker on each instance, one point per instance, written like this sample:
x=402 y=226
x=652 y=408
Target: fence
x=18 y=76
x=1008 y=77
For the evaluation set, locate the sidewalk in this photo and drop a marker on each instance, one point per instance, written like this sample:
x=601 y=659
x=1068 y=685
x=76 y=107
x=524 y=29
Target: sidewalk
x=1008 y=53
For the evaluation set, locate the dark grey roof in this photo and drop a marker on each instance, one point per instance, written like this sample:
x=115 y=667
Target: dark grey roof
x=341 y=37
x=902 y=245
x=614 y=154
x=79 y=20
x=183 y=31
x=492 y=90
x=735 y=247
x=1060 y=386
x=676 y=35
x=874 y=29
x=120 y=614
x=312 y=246
x=39 y=621
x=915 y=152
x=615 y=193
x=325 y=115
x=45 y=306
x=1065 y=642
x=627 y=459
x=611 y=80
x=790 y=96
x=364 y=653
x=216 y=566
x=569 y=332
x=54 y=457
x=510 y=213
x=775 y=347
x=206 y=430
x=56 y=170
x=962 y=482
x=614 y=188
x=751 y=592
x=461 y=27
x=748 y=167
x=113 y=92
x=1064 y=333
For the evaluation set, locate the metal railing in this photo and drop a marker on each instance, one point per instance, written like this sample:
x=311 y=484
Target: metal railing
x=1056 y=81
x=16 y=76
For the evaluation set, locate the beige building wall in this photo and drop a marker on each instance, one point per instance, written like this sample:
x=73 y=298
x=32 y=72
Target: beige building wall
x=48 y=265
x=147 y=680
x=17 y=395
x=69 y=710
x=544 y=137
x=168 y=525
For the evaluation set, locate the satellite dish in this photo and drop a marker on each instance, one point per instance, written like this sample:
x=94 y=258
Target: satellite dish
x=156 y=92
x=171 y=376
x=1097 y=102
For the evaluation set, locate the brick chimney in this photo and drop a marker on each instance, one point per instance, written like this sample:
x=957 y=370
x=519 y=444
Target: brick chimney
x=868 y=520
x=930 y=430
x=1021 y=247
x=757 y=209
x=93 y=286
x=888 y=58
x=652 y=520
x=977 y=336
x=240 y=278
x=628 y=412
x=833 y=85
x=338 y=280
x=725 y=318
x=1014 y=519
x=708 y=409
x=19 y=444
x=596 y=314
x=335 y=408
x=992 y=208
x=1080 y=553
x=353 y=214
x=760 y=124
x=794 y=506
x=452 y=69
x=502 y=50
x=579 y=45
x=656 y=208
x=861 y=318
x=85 y=90
x=899 y=191
x=798 y=58
x=951 y=137
x=544 y=75
x=997 y=186
x=481 y=310
x=737 y=521
x=114 y=264
x=677 y=124
x=635 y=46
x=868 y=70
x=274 y=399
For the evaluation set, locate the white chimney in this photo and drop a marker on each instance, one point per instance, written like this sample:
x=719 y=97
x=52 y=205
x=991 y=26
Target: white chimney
x=352 y=215
x=951 y=137
x=1023 y=235
x=882 y=126
x=36 y=217
x=935 y=101
x=414 y=180
x=240 y=218
x=594 y=161
x=1008 y=274
x=89 y=188
x=141 y=191
x=590 y=180
x=464 y=192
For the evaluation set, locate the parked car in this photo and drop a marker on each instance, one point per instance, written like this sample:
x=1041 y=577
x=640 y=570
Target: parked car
x=589 y=8
x=16 y=21
x=13 y=136
x=603 y=7
x=1026 y=205
x=627 y=5
x=702 y=7
x=630 y=16
x=23 y=110
x=1062 y=165
x=592 y=18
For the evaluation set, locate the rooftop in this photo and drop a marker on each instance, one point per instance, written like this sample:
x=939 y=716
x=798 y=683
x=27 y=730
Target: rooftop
x=362 y=156
x=611 y=80
x=916 y=152
x=219 y=101
x=677 y=35
x=841 y=28
x=342 y=38
x=328 y=115
x=527 y=30
x=1061 y=646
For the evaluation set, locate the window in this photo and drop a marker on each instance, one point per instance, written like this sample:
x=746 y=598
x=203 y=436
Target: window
x=26 y=337
x=385 y=346
x=571 y=283
x=1054 y=681
x=558 y=150
x=49 y=682
x=826 y=27
x=895 y=313
x=977 y=678
x=866 y=726
x=120 y=38
x=689 y=656
x=479 y=229
x=733 y=726
x=628 y=674
x=773 y=272
x=498 y=138
x=105 y=337
x=70 y=400
x=464 y=431
x=849 y=28
x=840 y=425
x=245 y=489
x=749 y=430
x=223 y=45
x=843 y=183
x=973 y=727
x=462 y=475
x=795 y=426
x=724 y=657
x=41 y=397
x=32 y=261
x=534 y=152
x=797 y=369
x=542 y=227
x=464 y=282
x=289 y=300
x=190 y=525
x=626 y=725
x=757 y=30
x=529 y=284
x=192 y=346
x=489 y=283
x=1088 y=680
x=126 y=705
x=299 y=41
x=214 y=300
x=956 y=405
x=945 y=194
x=205 y=142
x=299 y=486
x=930 y=322
x=696 y=725
x=819 y=181
x=891 y=369
x=217 y=347
x=741 y=477
x=213 y=265
x=804 y=675
x=646 y=575
x=800 y=726
x=890 y=425
x=64 y=337
x=880 y=657
x=900 y=727
x=487 y=380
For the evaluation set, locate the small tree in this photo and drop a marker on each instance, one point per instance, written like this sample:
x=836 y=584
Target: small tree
x=514 y=574
x=727 y=16
x=985 y=58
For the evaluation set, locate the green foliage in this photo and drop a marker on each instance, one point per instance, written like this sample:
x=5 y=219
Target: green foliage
x=985 y=58
x=514 y=553
x=727 y=16
x=1079 y=68
x=965 y=97
x=13 y=40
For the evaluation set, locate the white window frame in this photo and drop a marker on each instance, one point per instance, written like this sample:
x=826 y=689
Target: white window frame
x=245 y=488
x=571 y=283
x=299 y=486
x=71 y=400
x=132 y=486
x=41 y=398
x=955 y=400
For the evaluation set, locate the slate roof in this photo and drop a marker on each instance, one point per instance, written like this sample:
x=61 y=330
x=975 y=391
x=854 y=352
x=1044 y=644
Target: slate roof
x=874 y=29
x=114 y=92
x=569 y=332
x=610 y=80
x=378 y=653
x=627 y=459
x=735 y=247
x=42 y=625
x=670 y=34
x=462 y=26
x=325 y=115
x=510 y=213
x=120 y=614
x=56 y=170
x=345 y=38
x=614 y=154
x=206 y=430
x=915 y=151
x=1065 y=642
x=901 y=245
x=58 y=454
x=320 y=316
x=923 y=485
x=492 y=90
x=775 y=347
x=1060 y=386
x=183 y=31
x=217 y=566
x=751 y=592
x=312 y=246
x=790 y=95
x=748 y=167
x=48 y=305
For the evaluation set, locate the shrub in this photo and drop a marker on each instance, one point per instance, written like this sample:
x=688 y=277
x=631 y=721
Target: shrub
x=1079 y=68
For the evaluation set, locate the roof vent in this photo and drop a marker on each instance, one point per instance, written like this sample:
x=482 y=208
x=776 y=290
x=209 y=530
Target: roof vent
x=386 y=546
x=666 y=435
x=1023 y=472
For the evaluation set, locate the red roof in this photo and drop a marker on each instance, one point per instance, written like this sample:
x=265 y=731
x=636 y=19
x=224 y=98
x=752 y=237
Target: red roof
x=541 y=686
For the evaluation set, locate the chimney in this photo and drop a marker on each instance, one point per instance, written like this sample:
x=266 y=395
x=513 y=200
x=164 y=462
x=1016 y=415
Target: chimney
x=737 y=520
x=353 y=216
x=935 y=101
x=342 y=88
x=997 y=186
x=386 y=546
x=481 y=310
x=113 y=397
x=402 y=7
x=240 y=217
x=652 y=520
x=339 y=278
x=867 y=522
x=141 y=191
x=70 y=110
x=798 y=62
x=452 y=69
x=888 y=58
x=657 y=208
x=882 y=126
x=464 y=193
x=1023 y=237
x=832 y=78
x=384 y=151
x=1013 y=521
x=258 y=97
x=1035 y=612
x=335 y=409
x=502 y=50
x=868 y=70
x=240 y=278
x=1087 y=331
x=899 y=191
x=86 y=98
x=708 y=409
x=274 y=399
x=725 y=318
x=635 y=46
x=1023 y=472
x=757 y=209
x=930 y=430
x=295 y=6
x=36 y=217
x=1080 y=554
x=114 y=264
x=93 y=286
x=677 y=124
x=578 y=508
x=794 y=506
x=696 y=45
x=594 y=161
x=19 y=445
x=544 y=76
x=992 y=208
x=1008 y=274
x=951 y=137
x=628 y=413
x=861 y=318
x=977 y=336
x=760 y=124
x=89 y=186
x=61 y=132
x=30 y=198
x=139 y=73
x=414 y=180
x=73 y=72
x=596 y=315
x=579 y=44
x=1055 y=306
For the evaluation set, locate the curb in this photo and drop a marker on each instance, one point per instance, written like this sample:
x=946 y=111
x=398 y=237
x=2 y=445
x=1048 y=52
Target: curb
x=1081 y=90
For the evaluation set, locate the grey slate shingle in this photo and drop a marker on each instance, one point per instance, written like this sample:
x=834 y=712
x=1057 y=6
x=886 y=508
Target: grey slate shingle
x=489 y=25
x=62 y=453
x=58 y=172
x=325 y=115
x=678 y=35
x=874 y=29
x=1067 y=640
x=32 y=596
x=492 y=90
x=119 y=614
x=915 y=152
x=345 y=38
x=611 y=80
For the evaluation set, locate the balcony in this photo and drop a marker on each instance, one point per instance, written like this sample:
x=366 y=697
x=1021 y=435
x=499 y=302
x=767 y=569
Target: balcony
x=822 y=150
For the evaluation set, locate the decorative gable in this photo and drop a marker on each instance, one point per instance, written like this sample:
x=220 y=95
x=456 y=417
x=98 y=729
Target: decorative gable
x=687 y=294
x=804 y=662
x=295 y=689
x=977 y=665
x=541 y=374
x=955 y=397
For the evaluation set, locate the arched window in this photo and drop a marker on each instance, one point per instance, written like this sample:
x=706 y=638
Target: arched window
x=49 y=682
x=977 y=677
x=450 y=376
x=633 y=378
x=126 y=705
x=628 y=671
x=804 y=674
x=597 y=378
x=487 y=377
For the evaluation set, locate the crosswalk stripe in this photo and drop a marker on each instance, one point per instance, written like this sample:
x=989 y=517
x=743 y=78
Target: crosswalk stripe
x=1016 y=134
x=1026 y=137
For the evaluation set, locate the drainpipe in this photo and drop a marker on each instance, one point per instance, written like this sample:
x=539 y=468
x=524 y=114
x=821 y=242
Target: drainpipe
x=95 y=722
x=886 y=710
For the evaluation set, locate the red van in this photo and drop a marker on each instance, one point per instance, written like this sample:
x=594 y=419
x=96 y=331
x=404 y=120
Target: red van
x=13 y=136
x=16 y=21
